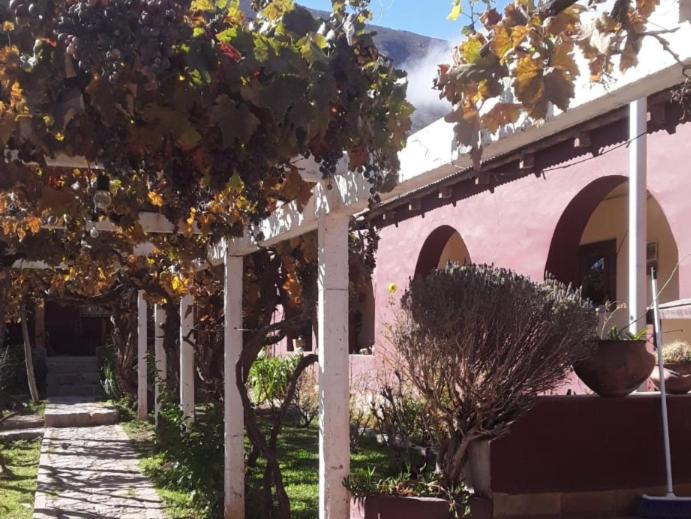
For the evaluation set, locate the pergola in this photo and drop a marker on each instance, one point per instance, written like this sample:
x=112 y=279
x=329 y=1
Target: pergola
x=427 y=159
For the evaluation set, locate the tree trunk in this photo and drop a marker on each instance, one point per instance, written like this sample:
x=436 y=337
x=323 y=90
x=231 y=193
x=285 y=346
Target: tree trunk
x=4 y=288
x=28 y=357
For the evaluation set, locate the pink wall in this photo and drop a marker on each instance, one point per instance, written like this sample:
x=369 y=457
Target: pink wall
x=513 y=226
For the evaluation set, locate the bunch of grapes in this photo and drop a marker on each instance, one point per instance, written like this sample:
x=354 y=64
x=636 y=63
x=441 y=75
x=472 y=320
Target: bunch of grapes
x=110 y=37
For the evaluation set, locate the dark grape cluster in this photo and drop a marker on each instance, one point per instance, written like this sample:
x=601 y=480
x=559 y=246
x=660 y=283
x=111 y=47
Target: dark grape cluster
x=114 y=37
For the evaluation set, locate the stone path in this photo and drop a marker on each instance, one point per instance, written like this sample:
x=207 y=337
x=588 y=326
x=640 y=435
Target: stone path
x=90 y=473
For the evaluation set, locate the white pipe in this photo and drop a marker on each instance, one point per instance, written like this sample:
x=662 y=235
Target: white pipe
x=663 y=391
x=637 y=214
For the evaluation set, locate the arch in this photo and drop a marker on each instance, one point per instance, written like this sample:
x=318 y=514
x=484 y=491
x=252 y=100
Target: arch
x=444 y=244
x=562 y=259
x=596 y=220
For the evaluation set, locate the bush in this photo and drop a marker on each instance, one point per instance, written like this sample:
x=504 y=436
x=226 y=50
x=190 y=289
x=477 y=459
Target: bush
x=401 y=419
x=269 y=378
x=424 y=483
x=676 y=352
x=191 y=451
x=109 y=374
x=479 y=344
x=307 y=398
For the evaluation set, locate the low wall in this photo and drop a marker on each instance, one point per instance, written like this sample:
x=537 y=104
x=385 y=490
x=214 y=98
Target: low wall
x=572 y=453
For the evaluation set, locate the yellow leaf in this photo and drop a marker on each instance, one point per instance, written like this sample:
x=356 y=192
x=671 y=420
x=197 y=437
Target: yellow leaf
x=155 y=199
x=501 y=42
x=33 y=224
x=470 y=49
x=562 y=58
x=528 y=81
x=500 y=115
x=518 y=35
x=456 y=11
x=646 y=7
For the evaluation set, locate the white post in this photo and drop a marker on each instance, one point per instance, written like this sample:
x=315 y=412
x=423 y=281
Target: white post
x=334 y=433
x=142 y=390
x=638 y=124
x=186 y=357
x=234 y=420
x=160 y=353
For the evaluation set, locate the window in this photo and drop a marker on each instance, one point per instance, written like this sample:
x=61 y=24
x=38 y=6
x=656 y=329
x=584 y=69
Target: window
x=598 y=271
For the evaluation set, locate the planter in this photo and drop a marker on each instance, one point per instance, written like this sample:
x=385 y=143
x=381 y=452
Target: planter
x=616 y=368
x=398 y=507
x=677 y=378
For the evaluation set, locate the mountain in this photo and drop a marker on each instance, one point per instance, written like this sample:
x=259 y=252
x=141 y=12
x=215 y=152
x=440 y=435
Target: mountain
x=416 y=54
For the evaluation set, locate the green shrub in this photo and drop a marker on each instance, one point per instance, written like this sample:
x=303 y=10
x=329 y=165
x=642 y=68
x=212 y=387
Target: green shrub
x=193 y=453
x=108 y=375
x=269 y=378
x=423 y=483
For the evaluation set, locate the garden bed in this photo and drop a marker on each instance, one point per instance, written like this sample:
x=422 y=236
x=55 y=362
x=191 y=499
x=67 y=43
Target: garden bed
x=298 y=449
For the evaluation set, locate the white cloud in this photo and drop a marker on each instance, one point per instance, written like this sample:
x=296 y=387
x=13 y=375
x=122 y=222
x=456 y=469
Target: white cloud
x=421 y=92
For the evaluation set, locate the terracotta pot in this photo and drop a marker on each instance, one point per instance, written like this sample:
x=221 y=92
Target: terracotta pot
x=677 y=378
x=397 y=507
x=616 y=368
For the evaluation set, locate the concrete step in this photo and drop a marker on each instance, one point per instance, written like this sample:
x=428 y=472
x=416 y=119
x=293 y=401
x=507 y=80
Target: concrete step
x=21 y=421
x=63 y=379
x=90 y=390
x=21 y=434
x=77 y=412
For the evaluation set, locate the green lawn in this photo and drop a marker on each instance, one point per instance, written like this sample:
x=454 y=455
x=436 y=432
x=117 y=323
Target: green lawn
x=17 y=490
x=298 y=453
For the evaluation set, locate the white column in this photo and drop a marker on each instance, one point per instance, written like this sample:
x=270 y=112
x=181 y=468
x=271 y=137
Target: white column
x=142 y=390
x=160 y=353
x=334 y=433
x=638 y=289
x=234 y=419
x=186 y=357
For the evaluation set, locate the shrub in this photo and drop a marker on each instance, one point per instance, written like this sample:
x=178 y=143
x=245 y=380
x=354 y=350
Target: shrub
x=424 y=483
x=399 y=416
x=307 y=398
x=676 y=352
x=269 y=378
x=109 y=374
x=479 y=344
x=190 y=450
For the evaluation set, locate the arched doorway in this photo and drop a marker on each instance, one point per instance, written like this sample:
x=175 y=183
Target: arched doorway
x=589 y=247
x=443 y=245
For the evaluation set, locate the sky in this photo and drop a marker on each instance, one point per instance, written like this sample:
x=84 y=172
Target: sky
x=427 y=17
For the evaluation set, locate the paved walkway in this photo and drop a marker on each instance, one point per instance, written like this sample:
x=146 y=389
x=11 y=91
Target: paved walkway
x=92 y=473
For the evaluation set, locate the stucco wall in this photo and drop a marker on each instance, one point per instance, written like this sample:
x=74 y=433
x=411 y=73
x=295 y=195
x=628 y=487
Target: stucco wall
x=513 y=227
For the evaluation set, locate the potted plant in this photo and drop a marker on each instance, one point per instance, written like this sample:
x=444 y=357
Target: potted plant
x=677 y=359
x=619 y=361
